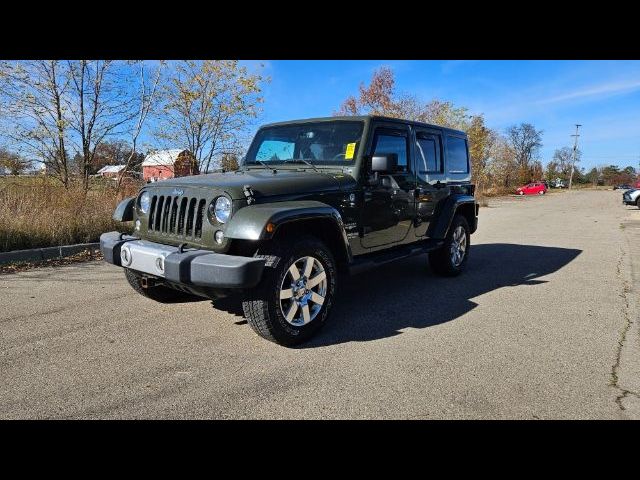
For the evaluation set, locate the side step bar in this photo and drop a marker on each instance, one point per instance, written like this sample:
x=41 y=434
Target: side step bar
x=372 y=260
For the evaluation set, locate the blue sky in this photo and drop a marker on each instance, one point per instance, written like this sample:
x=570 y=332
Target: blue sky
x=603 y=96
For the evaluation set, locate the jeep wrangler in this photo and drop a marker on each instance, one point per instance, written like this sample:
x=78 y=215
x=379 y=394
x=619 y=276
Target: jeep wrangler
x=312 y=199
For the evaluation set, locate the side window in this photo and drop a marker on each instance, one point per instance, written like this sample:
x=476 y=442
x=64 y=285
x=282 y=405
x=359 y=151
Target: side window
x=457 y=159
x=428 y=159
x=388 y=142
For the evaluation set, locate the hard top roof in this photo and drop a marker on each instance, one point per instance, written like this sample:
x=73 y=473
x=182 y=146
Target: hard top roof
x=362 y=118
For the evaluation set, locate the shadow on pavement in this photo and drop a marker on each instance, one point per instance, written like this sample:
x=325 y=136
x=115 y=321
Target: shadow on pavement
x=379 y=303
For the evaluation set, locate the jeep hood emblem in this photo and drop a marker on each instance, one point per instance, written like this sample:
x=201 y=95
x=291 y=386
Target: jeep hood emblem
x=177 y=192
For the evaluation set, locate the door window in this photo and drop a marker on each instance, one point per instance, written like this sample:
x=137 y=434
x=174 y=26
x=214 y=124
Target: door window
x=428 y=158
x=392 y=142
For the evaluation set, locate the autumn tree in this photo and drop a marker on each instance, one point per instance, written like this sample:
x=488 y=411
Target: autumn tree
x=526 y=142
x=229 y=162
x=208 y=106
x=13 y=163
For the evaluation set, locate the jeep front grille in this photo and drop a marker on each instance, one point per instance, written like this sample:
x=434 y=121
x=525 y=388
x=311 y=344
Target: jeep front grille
x=177 y=216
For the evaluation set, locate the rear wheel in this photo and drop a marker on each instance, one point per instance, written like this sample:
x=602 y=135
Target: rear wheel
x=451 y=259
x=638 y=202
x=158 y=293
x=541 y=192
x=294 y=298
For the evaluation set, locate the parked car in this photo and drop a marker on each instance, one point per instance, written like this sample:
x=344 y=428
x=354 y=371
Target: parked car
x=534 y=188
x=624 y=186
x=631 y=197
x=312 y=198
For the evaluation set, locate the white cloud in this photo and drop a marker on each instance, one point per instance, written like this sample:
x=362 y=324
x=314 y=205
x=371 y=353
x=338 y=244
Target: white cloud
x=602 y=90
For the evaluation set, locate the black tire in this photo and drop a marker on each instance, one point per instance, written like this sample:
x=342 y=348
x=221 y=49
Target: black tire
x=638 y=202
x=262 y=304
x=159 y=294
x=441 y=260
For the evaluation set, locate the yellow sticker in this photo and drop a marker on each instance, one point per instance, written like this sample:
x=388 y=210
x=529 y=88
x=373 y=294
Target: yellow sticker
x=351 y=148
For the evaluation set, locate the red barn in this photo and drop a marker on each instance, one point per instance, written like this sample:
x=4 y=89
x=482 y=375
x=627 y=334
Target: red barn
x=168 y=164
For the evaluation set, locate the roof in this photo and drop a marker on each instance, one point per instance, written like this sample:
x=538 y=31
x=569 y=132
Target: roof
x=364 y=118
x=111 y=169
x=162 y=157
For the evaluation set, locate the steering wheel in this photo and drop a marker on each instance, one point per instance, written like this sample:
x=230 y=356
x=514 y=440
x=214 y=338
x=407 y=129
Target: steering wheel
x=335 y=157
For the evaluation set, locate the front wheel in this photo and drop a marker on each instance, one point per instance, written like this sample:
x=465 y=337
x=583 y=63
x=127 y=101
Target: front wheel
x=451 y=259
x=294 y=298
x=541 y=192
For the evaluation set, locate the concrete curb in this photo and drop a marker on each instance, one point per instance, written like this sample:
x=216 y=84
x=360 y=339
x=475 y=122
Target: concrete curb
x=39 y=254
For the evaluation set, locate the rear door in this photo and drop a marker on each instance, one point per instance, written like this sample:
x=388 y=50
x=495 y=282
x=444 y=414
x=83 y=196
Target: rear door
x=431 y=179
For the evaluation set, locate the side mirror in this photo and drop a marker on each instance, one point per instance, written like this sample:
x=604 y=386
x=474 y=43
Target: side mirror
x=384 y=163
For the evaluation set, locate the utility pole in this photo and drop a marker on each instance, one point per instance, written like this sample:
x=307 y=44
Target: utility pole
x=575 y=148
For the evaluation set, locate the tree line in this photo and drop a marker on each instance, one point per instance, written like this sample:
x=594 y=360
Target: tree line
x=500 y=160
x=72 y=114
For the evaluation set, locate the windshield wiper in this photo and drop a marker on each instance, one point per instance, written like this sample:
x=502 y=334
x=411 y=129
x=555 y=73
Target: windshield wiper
x=265 y=165
x=308 y=162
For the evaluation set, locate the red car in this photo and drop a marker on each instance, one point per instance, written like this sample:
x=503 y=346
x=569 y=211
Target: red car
x=535 y=188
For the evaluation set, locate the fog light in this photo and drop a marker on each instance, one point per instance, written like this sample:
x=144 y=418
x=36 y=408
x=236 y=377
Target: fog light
x=125 y=256
x=137 y=224
x=160 y=264
x=219 y=236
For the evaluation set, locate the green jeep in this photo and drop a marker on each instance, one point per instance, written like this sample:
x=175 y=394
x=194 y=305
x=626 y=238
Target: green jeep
x=313 y=199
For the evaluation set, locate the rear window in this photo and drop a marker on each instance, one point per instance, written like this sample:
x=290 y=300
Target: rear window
x=457 y=159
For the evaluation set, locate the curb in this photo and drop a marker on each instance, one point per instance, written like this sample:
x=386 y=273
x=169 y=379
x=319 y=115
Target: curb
x=39 y=254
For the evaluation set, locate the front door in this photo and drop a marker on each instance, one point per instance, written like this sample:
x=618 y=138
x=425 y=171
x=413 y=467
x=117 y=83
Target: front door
x=388 y=209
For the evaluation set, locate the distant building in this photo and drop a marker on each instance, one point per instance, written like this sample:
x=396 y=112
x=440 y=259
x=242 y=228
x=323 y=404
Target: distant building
x=168 y=164
x=111 y=171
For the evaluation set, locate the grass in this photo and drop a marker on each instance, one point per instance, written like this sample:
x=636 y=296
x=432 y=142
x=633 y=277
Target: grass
x=40 y=212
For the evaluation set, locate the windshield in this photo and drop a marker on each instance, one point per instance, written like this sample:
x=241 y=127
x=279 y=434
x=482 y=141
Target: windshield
x=321 y=143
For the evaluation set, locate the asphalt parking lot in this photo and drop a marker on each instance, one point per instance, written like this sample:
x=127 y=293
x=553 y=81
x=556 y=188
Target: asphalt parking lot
x=542 y=325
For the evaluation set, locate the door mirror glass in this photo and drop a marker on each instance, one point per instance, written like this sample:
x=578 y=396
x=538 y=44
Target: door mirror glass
x=384 y=163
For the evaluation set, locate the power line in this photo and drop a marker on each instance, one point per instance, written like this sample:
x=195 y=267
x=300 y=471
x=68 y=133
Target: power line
x=575 y=148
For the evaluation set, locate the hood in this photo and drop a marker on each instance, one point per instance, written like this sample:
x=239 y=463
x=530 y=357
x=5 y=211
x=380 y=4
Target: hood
x=263 y=182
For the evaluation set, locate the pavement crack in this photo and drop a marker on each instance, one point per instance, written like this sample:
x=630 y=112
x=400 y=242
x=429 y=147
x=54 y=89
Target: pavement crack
x=615 y=369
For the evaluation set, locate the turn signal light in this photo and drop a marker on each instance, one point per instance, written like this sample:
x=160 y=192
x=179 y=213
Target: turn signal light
x=270 y=227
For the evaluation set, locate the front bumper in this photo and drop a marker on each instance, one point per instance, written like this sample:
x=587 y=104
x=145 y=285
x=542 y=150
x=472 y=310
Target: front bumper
x=199 y=268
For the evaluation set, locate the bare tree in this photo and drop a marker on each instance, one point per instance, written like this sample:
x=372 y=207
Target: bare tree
x=207 y=107
x=99 y=102
x=526 y=142
x=31 y=94
x=147 y=99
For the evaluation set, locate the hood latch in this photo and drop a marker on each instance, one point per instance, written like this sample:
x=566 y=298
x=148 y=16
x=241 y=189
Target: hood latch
x=248 y=193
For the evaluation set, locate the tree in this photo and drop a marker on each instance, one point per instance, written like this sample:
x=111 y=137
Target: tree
x=481 y=142
x=526 y=142
x=148 y=89
x=563 y=158
x=208 y=106
x=380 y=98
x=32 y=97
x=99 y=103
x=13 y=163
x=229 y=162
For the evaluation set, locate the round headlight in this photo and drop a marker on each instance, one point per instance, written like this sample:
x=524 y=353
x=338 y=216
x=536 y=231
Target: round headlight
x=145 y=201
x=222 y=209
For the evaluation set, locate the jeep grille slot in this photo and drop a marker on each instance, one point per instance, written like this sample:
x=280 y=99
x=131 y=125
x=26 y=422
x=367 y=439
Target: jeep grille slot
x=199 y=214
x=192 y=207
x=177 y=216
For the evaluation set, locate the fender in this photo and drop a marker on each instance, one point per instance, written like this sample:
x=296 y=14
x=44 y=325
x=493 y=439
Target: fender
x=440 y=228
x=124 y=210
x=250 y=222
